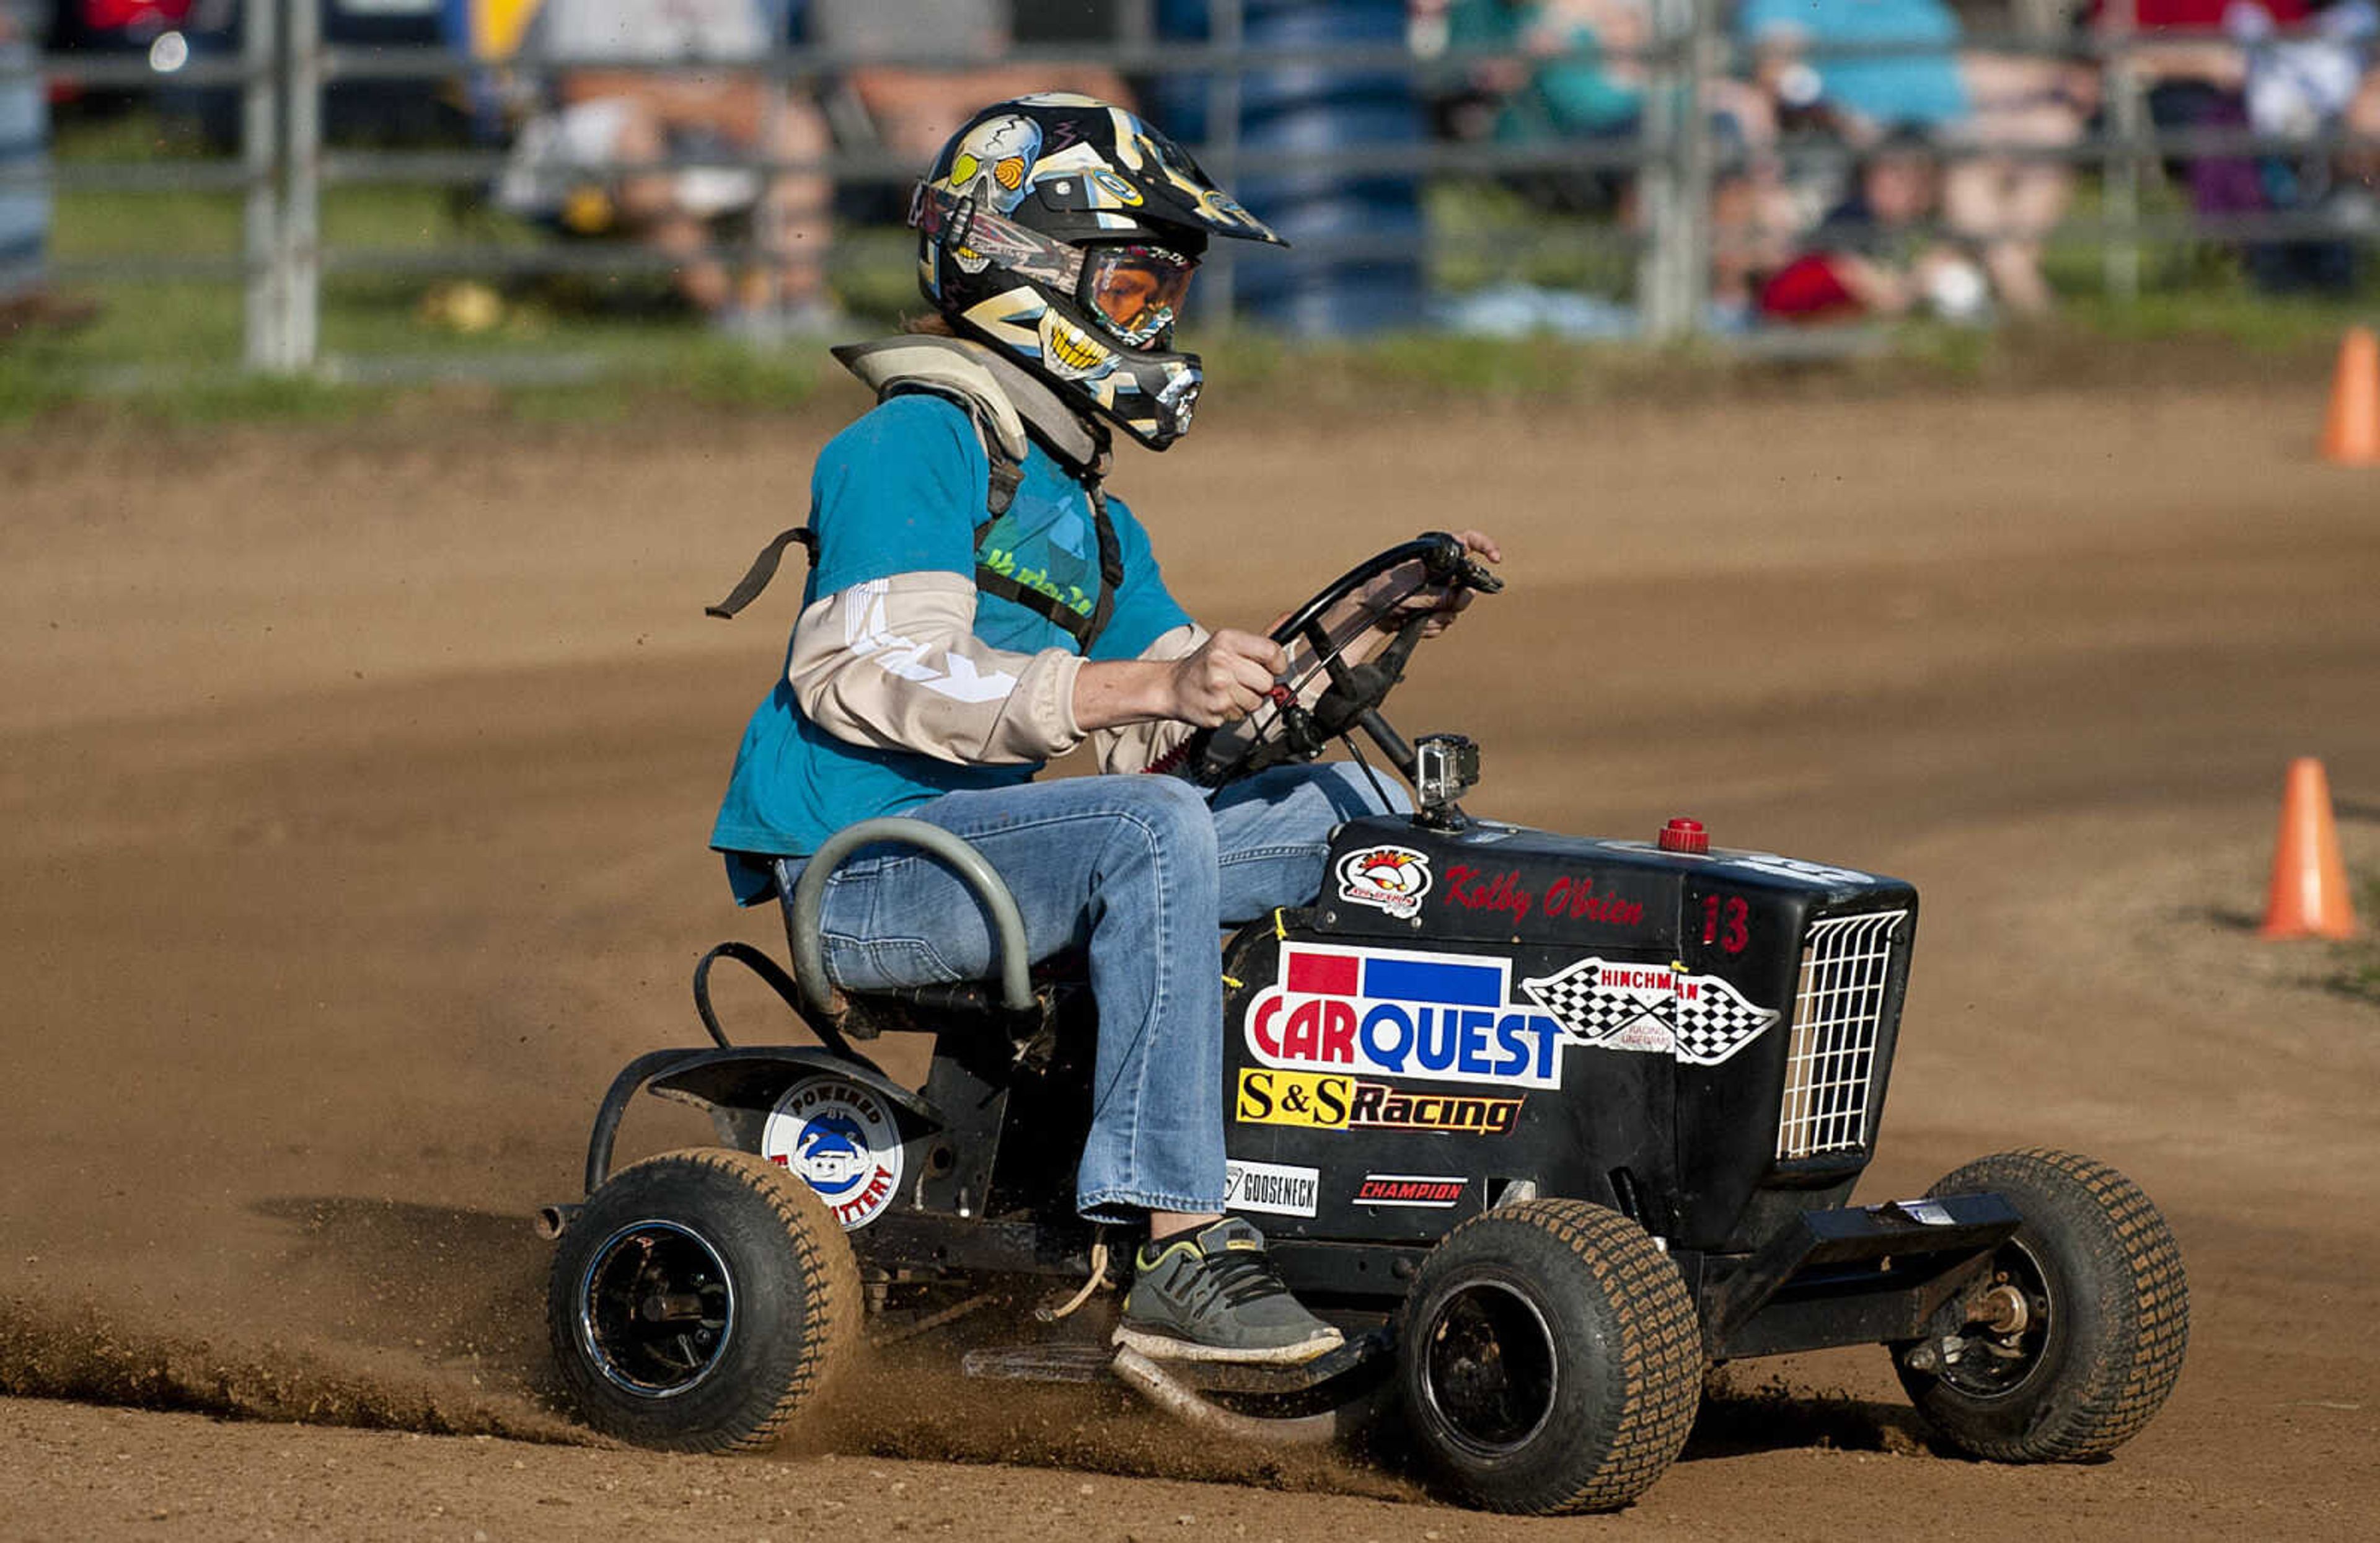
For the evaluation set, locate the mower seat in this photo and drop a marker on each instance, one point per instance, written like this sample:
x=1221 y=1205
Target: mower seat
x=1013 y=996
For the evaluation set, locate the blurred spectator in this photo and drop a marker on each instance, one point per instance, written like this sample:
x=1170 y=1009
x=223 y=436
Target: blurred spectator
x=1872 y=256
x=2004 y=204
x=27 y=303
x=911 y=110
x=2285 y=68
x=561 y=168
x=2360 y=168
x=1578 y=73
x=1903 y=84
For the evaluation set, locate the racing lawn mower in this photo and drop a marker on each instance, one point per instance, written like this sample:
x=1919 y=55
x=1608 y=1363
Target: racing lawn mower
x=1546 y=1124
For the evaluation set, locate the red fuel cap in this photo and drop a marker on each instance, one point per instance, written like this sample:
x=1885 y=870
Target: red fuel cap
x=1684 y=835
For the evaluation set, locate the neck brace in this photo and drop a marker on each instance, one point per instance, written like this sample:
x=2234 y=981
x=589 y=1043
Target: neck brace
x=1008 y=401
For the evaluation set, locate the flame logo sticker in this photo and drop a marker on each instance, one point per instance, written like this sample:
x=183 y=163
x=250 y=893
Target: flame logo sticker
x=1390 y=879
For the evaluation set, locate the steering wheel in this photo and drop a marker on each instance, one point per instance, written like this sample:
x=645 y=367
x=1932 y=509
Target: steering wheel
x=1296 y=724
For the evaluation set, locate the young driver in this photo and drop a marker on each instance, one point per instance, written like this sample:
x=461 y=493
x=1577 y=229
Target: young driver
x=979 y=604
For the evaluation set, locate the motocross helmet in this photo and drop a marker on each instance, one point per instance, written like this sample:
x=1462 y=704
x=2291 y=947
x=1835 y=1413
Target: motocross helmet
x=1062 y=231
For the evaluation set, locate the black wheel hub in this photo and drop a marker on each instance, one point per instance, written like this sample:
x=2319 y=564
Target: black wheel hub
x=655 y=1308
x=1488 y=1367
x=1988 y=1362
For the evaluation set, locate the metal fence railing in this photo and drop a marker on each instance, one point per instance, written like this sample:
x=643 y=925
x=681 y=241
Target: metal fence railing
x=283 y=168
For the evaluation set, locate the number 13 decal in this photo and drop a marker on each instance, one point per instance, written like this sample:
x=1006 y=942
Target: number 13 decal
x=1726 y=921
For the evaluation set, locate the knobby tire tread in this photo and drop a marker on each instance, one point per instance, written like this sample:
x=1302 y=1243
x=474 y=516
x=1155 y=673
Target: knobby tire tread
x=1659 y=1363
x=2142 y=1248
x=829 y=1270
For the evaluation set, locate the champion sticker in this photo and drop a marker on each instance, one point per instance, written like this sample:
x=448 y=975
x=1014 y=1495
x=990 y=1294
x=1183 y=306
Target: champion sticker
x=842 y=1139
x=1425 y=1190
x=1653 y=1008
x=1441 y=1018
x=1390 y=879
x=1274 y=1187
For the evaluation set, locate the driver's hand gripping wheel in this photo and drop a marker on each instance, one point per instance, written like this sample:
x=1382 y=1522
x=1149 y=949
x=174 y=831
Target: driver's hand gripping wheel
x=1291 y=731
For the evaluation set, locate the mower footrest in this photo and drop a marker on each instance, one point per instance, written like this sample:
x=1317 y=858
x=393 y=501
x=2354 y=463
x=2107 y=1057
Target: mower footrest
x=1233 y=1377
x=1040 y=1363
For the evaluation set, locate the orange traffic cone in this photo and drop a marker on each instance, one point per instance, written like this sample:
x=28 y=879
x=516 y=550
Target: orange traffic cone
x=2309 y=896
x=2352 y=436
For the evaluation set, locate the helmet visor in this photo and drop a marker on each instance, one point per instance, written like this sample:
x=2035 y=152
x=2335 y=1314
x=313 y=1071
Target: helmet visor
x=1135 y=289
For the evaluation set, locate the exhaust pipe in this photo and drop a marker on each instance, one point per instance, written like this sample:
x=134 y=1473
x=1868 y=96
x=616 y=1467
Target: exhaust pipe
x=553 y=1221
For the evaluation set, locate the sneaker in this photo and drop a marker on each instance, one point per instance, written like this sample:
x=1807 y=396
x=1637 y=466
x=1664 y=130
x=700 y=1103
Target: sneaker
x=1212 y=1295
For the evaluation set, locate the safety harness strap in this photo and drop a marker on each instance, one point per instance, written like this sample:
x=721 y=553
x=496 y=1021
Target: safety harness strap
x=1084 y=629
x=1002 y=434
x=764 y=569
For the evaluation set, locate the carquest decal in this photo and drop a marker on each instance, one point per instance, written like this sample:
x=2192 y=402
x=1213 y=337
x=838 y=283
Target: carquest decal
x=1390 y=879
x=1274 y=1187
x=1409 y=1189
x=1660 y=1009
x=1320 y=1101
x=843 y=1142
x=1442 y=1017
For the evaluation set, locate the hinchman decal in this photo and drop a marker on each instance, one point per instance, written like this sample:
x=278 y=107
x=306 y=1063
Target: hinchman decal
x=1658 y=1009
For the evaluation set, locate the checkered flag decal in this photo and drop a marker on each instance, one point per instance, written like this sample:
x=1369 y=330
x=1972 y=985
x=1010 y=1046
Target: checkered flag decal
x=1716 y=1023
x=1584 y=1008
x=1704 y=1018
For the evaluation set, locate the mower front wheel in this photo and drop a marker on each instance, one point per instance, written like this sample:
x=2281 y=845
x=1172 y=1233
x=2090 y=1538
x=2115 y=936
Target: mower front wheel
x=2084 y=1317
x=700 y=1301
x=1549 y=1359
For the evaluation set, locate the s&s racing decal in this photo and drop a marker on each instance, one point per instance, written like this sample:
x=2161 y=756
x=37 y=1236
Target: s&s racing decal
x=1660 y=1009
x=1320 y=1101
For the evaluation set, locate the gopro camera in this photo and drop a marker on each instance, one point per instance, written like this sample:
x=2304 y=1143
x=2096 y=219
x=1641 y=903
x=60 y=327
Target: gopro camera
x=1446 y=766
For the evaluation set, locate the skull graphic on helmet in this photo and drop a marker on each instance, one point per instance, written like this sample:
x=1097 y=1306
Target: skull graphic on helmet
x=990 y=166
x=992 y=163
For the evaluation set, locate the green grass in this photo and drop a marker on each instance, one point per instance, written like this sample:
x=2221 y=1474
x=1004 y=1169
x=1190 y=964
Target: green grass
x=2356 y=971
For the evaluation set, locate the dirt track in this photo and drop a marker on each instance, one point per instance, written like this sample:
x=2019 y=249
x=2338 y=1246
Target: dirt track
x=354 y=794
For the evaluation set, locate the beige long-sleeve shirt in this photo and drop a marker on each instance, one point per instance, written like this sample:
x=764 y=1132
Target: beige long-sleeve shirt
x=894 y=664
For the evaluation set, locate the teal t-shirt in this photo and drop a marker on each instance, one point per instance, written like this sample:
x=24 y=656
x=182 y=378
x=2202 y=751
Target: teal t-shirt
x=903 y=491
x=1920 y=90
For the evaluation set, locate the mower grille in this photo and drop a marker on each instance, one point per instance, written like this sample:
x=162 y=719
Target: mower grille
x=1837 y=1013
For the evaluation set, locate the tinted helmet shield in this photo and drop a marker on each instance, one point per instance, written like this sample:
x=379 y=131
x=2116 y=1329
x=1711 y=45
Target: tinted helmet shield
x=1135 y=290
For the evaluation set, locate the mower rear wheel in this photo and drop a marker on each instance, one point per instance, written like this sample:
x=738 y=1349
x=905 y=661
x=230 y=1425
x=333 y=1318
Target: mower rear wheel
x=2092 y=1325
x=1549 y=1359
x=700 y=1301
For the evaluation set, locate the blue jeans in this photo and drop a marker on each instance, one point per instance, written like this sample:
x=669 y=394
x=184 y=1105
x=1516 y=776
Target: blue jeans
x=1145 y=872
